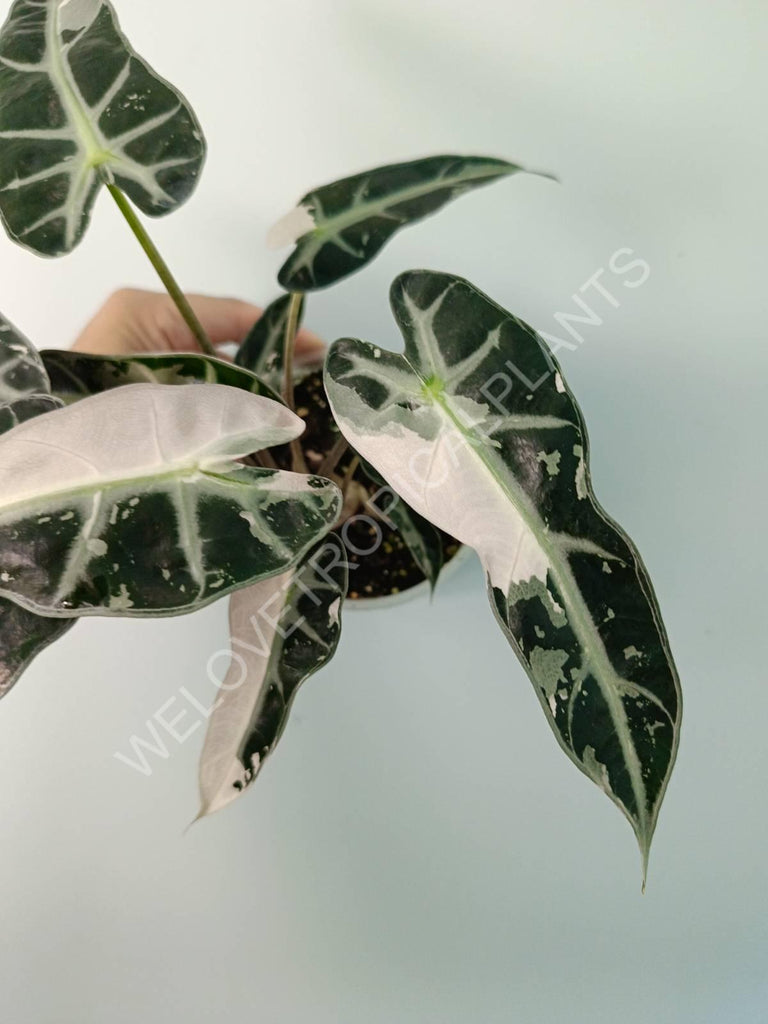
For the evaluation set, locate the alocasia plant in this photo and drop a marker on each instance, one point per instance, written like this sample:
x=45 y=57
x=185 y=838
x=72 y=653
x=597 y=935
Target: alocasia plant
x=155 y=484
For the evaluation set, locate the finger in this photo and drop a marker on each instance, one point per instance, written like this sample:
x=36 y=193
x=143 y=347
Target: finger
x=117 y=326
x=224 y=320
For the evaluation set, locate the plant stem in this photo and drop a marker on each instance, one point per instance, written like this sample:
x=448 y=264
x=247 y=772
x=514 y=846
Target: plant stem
x=331 y=460
x=350 y=474
x=163 y=270
x=291 y=330
x=298 y=461
x=262 y=459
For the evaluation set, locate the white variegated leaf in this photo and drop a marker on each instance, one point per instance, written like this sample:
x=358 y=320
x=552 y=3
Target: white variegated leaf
x=79 y=109
x=477 y=430
x=282 y=630
x=132 y=502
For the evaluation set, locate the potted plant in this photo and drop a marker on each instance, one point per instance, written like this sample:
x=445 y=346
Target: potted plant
x=152 y=485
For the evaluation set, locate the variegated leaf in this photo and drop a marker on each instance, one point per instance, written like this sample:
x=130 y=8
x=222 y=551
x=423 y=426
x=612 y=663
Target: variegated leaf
x=262 y=351
x=21 y=370
x=23 y=635
x=78 y=109
x=282 y=630
x=475 y=426
x=133 y=502
x=76 y=375
x=339 y=228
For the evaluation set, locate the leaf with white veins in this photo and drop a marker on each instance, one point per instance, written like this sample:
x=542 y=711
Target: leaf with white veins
x=263 y=349
x=76 y=375
x=132 y=502
x=475 y=426
x=282 y=630
x=79 y=109
x=338 y=228
x=22 y=373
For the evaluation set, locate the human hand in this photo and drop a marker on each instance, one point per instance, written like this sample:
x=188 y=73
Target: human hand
x=134 y=321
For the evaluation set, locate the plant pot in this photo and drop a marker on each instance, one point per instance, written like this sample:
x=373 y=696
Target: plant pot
x=462 y=555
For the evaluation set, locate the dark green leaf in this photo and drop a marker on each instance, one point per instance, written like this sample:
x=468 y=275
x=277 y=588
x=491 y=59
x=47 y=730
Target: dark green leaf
x=263 y=349
x=476 y=427
x=76 y=375
x=339 y=228
x=24 y=409
x=23 y=635
x=79 y=108
x=21 y=370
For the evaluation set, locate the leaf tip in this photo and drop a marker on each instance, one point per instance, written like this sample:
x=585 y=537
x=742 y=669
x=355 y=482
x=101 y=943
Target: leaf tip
x=546 y=174
x=198 y=817
x=644 y=842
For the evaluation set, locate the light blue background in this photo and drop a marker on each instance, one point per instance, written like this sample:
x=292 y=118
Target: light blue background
x=419 y=850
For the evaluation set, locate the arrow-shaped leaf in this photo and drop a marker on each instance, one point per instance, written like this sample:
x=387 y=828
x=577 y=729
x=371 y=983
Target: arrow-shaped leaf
x=475 y=426
x=80 y=108
x=282 y=630
x=76 y=375
x=263 y=349
x=338 y=228
x=132 y=502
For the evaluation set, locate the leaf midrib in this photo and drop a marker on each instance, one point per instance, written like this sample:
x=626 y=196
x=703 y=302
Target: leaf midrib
x=579 y=615
x=329 y=226
x=186 y=471
x=95 y=147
